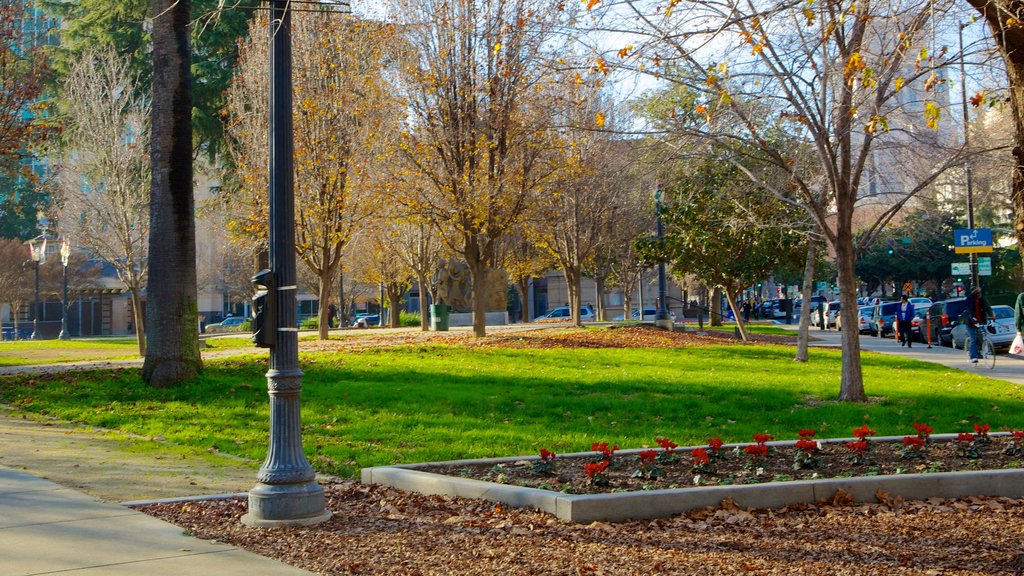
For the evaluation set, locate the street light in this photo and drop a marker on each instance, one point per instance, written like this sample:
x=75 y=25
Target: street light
x=661 y=317
x=37 y=246
x=65 y=255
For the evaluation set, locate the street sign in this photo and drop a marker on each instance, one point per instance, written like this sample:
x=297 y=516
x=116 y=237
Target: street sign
x=961 y=268
x=972 y=240
x=984 y=266
x=822 y=287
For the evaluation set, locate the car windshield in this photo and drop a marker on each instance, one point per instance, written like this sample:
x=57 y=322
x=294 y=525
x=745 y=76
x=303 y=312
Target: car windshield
x=1002 y=312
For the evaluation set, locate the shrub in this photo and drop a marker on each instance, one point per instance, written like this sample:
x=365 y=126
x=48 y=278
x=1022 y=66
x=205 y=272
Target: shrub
x=409 y=319
x=311 y=323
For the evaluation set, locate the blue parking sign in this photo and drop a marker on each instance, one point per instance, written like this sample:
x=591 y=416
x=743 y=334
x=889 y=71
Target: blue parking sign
x=972 y=240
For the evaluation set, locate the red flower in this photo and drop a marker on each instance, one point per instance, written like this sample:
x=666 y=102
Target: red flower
x=923 y=430
x=1017 y=433
x=647 y=457
x=756 y=451
x=700 y=456
x=762 y=438
x=913 y=441
x=715 y=444
x=859 y=447
x=807 y=445
x=604 y=449
x=667 y=444
x=592 y=468
x=981 y=429
x=807 y=433
x=863 y=432
x=546 y=455
x=965 y=437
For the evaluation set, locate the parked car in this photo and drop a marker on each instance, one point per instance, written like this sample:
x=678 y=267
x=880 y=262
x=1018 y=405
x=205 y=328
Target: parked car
x=366 y=320
x=649 y=314
x=920 y=303
x=1001 y=334
x=229 y=324
x=772 y=310
x=564 y=313
x=864 y=323
x=885 y=314
x=830 y=315
x=943 y=317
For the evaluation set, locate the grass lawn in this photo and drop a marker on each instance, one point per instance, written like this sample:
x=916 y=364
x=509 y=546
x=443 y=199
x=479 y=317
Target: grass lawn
x=756 y=329
x=401 y=405
x=23 y=352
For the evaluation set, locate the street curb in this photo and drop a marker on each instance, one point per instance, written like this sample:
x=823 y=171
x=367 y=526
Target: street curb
x=178 y=499
x=614 y=507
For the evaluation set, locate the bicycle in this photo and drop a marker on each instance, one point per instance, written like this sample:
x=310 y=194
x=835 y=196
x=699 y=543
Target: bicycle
x=986 y=350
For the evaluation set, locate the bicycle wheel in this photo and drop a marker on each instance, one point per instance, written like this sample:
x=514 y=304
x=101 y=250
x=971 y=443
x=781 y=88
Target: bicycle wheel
x=988 y=354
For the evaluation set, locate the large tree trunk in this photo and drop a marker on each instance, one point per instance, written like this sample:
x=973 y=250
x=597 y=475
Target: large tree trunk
x=394 y=304
x=172 y=355
x=805 y=317
x=140 y=321
x=716 y=306
x=627 y=305
x=851 y=387
x=478 y=270
x=523 y=286
x=601 y=314
x=732 y=296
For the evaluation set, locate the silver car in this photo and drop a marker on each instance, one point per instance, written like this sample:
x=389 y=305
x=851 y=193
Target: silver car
x=1002 y=325
x=865 y=317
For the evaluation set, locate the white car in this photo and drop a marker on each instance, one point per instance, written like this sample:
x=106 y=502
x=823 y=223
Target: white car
x=920 y=303
x=564 y=313
x=1001 y=333
x=229 y=324
x=649 y=314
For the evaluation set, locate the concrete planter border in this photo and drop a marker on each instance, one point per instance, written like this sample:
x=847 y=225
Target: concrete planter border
x=586 y=508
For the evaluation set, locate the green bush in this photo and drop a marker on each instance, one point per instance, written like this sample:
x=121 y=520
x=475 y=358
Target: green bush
x=311 y=323
x=409 y=319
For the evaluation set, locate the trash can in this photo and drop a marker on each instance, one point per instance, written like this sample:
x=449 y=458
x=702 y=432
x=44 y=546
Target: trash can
x=439 y=317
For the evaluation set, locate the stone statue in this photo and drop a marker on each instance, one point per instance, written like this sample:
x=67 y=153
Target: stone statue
x=454 y=286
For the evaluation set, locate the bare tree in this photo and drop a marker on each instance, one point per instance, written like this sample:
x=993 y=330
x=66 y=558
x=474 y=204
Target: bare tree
x=15 y=276
x=103 y=177
x=417 y=244
x=345 y=117
x=523 y=260
x=862 y=84
x=478 y=132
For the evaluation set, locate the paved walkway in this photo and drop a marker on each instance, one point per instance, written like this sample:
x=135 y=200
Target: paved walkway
x=1007 y=368
x=46 y=529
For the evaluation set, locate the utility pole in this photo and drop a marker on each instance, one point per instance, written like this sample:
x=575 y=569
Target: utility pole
x=975 y=278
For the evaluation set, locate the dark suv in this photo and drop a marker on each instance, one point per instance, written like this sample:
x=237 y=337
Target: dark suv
x=943 y=316
x=885 y=314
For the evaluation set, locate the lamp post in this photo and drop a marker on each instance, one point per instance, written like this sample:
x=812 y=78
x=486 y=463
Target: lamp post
x=286 y=493
x=661 y=317
x=65 y=254
x=975 y=279
x=37 y=246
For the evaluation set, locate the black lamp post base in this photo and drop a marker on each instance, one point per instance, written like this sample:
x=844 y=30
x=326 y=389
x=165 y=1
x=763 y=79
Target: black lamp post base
x=282 y=505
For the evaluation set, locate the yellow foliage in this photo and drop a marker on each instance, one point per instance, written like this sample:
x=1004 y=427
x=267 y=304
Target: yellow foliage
x=932 y=113
x=599 y=120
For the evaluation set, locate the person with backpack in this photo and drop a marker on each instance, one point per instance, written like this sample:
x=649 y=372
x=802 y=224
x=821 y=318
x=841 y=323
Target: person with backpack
x=976 y=314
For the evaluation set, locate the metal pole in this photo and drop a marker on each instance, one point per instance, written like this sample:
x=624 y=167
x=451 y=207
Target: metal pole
x=287 y=493
x=35 y=308
x=661 y=317
x=975 y=279
x=64 y=335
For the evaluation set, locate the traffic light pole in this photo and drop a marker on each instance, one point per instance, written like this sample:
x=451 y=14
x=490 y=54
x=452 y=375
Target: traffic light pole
x=287 y=493
x=975 y=278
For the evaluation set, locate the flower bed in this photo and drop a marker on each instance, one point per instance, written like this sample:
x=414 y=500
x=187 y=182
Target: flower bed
x=610 y=484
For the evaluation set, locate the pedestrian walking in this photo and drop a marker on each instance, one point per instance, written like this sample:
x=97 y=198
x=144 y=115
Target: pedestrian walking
x=904 y=321
x=332 y=312
x=1017 y=347
x=977 y=314
x=821 y=314
x=746 y=310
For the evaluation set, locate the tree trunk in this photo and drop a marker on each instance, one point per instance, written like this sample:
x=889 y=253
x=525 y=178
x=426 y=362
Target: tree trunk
x=573 y=283
x=421 y=283
x=523 y=286
x=851 y=387
x=140 y=322
x=395 y=303
x=627 y=305
x=736 y=313
x=602 y=315
x=716 y=306
x=805 y=318
x=478 y=270
x=172 y=355
x=323 y=293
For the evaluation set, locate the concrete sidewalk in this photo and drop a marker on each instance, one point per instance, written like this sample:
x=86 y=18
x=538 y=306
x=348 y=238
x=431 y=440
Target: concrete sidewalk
x=1007 y=368
x=46 y=528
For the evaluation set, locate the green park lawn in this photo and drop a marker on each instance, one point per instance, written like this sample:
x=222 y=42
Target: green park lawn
x=402 y=405
x=24 y=352
x=755 y=328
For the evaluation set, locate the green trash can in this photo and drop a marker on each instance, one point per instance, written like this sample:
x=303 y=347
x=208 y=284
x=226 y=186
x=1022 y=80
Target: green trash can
x=439 y=317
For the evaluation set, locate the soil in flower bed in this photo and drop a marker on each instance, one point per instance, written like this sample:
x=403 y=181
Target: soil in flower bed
x=626 y=472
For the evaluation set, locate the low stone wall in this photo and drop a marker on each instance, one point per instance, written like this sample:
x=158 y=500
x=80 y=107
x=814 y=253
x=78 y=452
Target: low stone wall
x=466 y=319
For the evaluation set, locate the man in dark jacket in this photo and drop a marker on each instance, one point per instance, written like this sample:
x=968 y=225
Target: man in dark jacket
x=904 y=321
x=977 y=313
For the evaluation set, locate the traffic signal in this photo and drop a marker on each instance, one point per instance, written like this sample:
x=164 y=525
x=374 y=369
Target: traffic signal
x=892 y=249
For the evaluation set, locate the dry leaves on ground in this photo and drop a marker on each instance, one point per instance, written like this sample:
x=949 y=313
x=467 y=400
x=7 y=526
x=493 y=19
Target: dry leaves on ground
x=378 y=530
